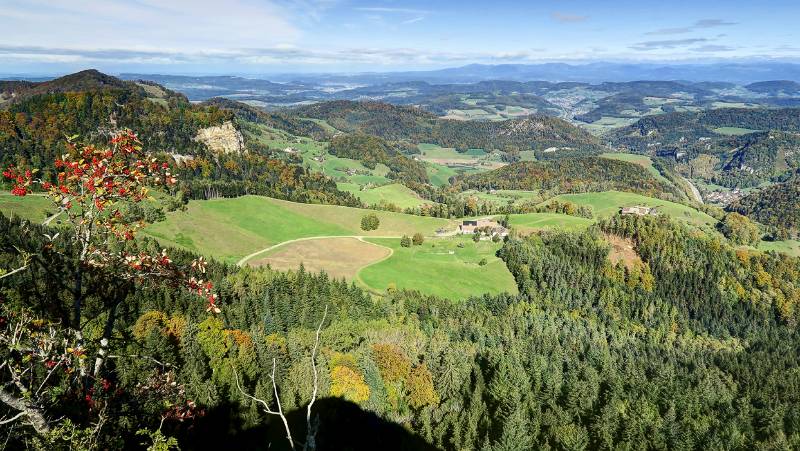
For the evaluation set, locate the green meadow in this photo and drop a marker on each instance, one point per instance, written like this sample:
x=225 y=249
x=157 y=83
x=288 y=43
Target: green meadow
x=229 y=229
x=608 y=203
x=34 y=208
x=537 y=221
x=395 y=193
x=440 y=267
x=734 y=131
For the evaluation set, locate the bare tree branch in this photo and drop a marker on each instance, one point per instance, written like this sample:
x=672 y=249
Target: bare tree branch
x=14 y=418
x=11 y=273
x=310 y=443
x=264 y=403
x=311 y=430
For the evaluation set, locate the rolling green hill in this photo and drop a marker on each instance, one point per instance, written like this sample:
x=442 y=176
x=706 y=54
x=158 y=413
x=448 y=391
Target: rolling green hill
x=229 y=229
x=440 y=267
x=608 y=203
x=394 y=194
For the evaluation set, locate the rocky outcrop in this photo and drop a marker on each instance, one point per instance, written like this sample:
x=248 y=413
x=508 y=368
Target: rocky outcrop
x=223 y=138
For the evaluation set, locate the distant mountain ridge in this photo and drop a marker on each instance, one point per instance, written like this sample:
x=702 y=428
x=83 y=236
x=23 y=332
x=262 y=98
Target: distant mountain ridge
x=740 y=72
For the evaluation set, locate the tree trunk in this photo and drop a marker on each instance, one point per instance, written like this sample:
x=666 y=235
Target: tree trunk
x=34 y=413
x=108 y=330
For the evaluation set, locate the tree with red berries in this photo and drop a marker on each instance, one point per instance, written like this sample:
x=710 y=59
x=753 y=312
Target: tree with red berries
x=90 y=191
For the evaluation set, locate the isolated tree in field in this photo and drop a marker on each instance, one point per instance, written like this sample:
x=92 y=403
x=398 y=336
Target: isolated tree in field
x=405 y=241
x=418 y=239
x=90 y=190
x=370 y=222
x=739 y=229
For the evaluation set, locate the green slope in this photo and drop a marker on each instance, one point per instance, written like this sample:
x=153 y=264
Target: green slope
x=229 y=229
x=441 y=268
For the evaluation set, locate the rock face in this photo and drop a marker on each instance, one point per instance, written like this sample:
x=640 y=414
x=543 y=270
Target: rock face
x=221 y=138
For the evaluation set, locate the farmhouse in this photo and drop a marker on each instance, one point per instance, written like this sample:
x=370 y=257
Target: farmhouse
x=291 y=150
x=487 y=226
x=639 y=210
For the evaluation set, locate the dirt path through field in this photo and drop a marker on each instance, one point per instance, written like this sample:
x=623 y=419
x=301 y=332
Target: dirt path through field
x=341 y=257
x=244 y=259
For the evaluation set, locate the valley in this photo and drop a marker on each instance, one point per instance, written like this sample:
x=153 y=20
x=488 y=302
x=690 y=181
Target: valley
x=447 y=262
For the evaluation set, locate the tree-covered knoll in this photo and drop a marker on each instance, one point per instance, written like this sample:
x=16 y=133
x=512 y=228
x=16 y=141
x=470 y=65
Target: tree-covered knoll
x=92 y=106
x=371 y=150
x=777 y=206
x=400 y=123
x=572 y=175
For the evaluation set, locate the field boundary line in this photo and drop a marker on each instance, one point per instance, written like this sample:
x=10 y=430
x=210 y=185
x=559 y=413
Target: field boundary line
x=244 y=259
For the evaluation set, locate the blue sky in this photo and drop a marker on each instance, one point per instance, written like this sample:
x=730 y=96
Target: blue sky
x=278 y=36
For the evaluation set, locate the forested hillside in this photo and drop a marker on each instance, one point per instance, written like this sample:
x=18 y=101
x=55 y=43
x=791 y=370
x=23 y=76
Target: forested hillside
x=90 y=106
x=668 y=129
x=572 y=175
x=705 y=143
x=396 y=123
x=758 y=157
x=685 y=348
x=777 y=205
x=282 y=121
x=372 y=150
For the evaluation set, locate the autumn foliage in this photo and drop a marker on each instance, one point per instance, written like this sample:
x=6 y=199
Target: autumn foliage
x=90 y=189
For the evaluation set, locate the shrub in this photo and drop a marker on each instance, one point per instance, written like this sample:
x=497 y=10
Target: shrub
x=370 y=222
x=405 y=241
x=418 y=239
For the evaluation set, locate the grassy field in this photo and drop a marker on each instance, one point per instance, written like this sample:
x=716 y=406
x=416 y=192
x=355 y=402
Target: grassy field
x=789 y=247
x=441 y=268
x=608 y=203
x=311 y=151
x=733 y=131
x=432 y=151
x=439 y=174
x=338 y=257
x=229 y=229
x=537 y=221
x=504 y=197
x=396 y=194
x=33 y=208
x=606 y=123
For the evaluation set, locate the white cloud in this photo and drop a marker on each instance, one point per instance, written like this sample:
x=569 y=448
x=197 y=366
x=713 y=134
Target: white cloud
x=393 y=10
x=699 y=25
x=413 y=20
x=667 y=44
x=181 y=25
x=568 y=18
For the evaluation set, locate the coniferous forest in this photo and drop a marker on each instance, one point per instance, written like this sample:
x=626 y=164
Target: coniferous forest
x=493 y=257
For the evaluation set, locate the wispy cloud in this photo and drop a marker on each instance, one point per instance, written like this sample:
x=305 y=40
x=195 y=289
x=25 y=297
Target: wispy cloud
x=413 y=20
x=667 y=44
x=699 y=25
x=203 y=24
x=376 y=9
x=255 y=56
x=713 y=48
x=568 y=18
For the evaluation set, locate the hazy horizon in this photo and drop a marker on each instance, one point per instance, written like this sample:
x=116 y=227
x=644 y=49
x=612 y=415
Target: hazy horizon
x=247 y=37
